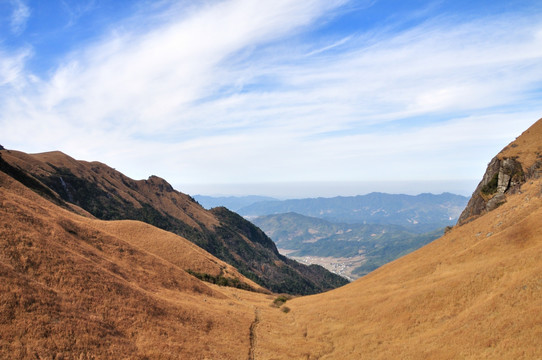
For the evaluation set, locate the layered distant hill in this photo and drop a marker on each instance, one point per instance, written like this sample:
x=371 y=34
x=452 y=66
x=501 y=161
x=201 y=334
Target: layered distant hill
x=95 y=189
x=361 y=248
x=350 y=235
x=421 y=213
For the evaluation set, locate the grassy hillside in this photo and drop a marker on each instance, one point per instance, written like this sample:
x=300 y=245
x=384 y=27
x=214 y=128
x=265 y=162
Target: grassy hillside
x=76 y=288
x=97 y=190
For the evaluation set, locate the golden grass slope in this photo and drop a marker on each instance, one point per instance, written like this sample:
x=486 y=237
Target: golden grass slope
x=475 y=293
x=527 y=148
x=173 y=248
x=70 y=289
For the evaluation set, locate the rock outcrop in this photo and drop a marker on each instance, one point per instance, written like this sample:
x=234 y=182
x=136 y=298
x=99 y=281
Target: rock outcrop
x=502 y=177
x=517 y=163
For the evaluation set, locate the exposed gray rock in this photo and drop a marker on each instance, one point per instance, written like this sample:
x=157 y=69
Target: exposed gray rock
x=501 y=177
x=495 y=202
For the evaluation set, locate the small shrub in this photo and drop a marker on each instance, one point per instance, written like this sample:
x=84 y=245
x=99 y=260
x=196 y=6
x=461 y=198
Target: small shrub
x=285 y=309
x=280 y=300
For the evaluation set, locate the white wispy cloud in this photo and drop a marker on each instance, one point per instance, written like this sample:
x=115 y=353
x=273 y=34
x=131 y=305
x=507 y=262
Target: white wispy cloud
x=229 y=92
x=19 y=16
x=12 y=67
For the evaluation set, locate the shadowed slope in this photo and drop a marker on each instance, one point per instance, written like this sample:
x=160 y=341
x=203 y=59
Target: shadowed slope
x=107 y=194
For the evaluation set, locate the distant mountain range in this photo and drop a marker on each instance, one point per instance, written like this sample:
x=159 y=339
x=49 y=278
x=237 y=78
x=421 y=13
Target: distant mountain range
x=420 y=213
x=359 y=233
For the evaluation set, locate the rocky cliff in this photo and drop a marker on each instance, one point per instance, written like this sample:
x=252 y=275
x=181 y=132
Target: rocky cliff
x=505 y=174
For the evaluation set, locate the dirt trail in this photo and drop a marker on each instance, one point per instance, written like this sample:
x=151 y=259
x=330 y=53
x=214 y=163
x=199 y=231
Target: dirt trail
x=252 y=335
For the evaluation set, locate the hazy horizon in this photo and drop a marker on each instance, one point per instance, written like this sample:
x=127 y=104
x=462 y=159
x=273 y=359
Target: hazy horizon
x=283 y=92
x=298 y=190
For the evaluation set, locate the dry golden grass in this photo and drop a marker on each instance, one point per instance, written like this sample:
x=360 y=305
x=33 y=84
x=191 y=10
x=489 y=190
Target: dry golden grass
x=527 y=147
x=71 y=290
x=173 y=248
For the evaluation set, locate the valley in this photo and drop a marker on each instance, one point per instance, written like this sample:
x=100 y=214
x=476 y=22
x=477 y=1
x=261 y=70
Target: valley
x=343 y=266
x=76 y=286
x=350 y=236
x=270 y=180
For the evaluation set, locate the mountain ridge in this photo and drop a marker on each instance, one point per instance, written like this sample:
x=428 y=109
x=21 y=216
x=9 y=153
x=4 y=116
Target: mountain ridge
x=100 y=190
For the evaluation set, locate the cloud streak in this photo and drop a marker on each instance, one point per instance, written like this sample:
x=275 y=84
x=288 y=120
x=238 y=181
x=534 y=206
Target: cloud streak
x=235 y=91
x=19 y=17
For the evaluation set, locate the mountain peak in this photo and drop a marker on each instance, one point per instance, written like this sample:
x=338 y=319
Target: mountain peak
x=160 y=183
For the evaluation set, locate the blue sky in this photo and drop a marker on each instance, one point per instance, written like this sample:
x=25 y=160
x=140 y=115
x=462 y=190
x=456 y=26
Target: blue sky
x=278 y=97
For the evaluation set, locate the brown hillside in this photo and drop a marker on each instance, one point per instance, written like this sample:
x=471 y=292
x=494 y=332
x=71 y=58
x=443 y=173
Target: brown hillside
x=173 y=248
x=77 y=288
x=153 y=190
x=96 y=190
x=527 y=148
x=513 y=166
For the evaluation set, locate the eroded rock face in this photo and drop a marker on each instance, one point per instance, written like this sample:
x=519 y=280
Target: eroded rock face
x=503 y=176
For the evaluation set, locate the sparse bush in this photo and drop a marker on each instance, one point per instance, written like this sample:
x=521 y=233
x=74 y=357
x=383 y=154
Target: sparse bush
x=221 y=280
x=285 y=309
x=280 y=300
